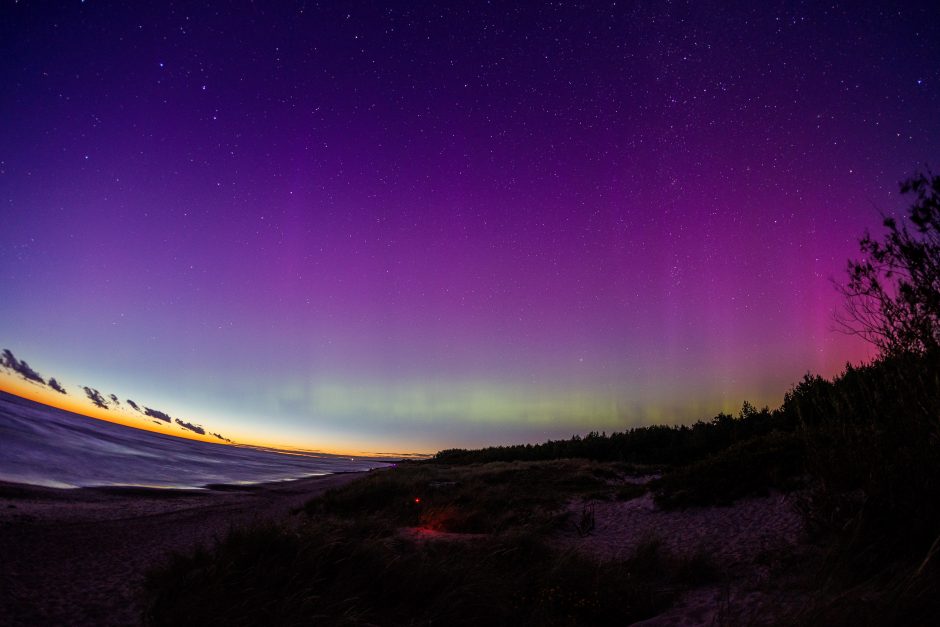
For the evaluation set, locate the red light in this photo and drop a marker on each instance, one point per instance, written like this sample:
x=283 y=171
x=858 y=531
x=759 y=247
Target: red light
x=417 y=500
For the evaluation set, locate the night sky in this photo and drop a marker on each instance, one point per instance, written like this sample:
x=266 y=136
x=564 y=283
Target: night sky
x=380 y=228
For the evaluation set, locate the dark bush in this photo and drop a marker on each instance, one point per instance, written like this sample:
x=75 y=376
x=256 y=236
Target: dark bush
x=748 y=468
x=352 y=572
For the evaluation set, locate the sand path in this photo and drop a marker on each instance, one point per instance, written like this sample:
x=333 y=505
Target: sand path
x=744 y=542
x=732 y=536
x=79 y=557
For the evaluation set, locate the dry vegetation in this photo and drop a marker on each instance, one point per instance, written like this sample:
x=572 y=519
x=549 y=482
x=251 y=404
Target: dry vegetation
x=427 y=544
x=452 y=541
x=860 y=454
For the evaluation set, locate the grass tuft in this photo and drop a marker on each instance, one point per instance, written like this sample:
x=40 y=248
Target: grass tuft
x=350 y=563
x=749 y=468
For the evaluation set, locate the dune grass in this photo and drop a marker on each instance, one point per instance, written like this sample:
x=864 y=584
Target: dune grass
x=861 y=450
x=352 y=574
x=872 y=450
x=349 y=563
x=479 y=498
x=751 y=467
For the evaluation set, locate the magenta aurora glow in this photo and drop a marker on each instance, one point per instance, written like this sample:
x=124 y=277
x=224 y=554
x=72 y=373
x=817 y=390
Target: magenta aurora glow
x=386 y=229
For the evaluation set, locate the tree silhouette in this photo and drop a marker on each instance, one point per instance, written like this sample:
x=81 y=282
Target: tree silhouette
x=892 y=298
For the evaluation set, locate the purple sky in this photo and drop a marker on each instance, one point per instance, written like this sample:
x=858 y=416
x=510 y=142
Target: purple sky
x=406 y=229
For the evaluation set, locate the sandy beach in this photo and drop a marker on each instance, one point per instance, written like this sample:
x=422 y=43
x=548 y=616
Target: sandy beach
x=79 y=557
x=746 y=543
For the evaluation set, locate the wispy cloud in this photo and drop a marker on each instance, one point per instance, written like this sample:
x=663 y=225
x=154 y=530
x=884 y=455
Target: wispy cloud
x=8 y=360
x=156 y=413
x=95 y=397
x=191 y=427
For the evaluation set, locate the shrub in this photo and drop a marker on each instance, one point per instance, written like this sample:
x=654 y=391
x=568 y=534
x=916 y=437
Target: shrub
x=747 y=468
x=347 y=573
x=483 y=498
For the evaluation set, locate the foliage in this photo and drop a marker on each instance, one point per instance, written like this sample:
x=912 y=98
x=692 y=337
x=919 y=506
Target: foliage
x=479 y=498
x=349 y=563
x=864 y=446
x=651 y=445
x=872 y=449
x=747 y=468
x=892 y=298
x=873 y=434
x=872 y=439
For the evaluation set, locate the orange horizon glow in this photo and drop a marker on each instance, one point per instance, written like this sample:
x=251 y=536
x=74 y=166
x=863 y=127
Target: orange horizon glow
x=29 y=390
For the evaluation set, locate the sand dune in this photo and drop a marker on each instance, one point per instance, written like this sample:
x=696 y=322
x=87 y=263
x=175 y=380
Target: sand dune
x=747 y=543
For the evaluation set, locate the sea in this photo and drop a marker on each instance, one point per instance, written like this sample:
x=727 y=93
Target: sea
x=42 y=445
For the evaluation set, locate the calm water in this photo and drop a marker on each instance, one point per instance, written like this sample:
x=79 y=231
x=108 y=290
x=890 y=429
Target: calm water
x=46 y=446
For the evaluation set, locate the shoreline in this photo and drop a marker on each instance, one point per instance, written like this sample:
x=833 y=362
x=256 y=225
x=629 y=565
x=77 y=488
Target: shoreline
x=19 y=489
x=80 y=555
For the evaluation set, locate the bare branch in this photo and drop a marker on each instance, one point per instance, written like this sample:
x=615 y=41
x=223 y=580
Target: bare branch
x=892 y=298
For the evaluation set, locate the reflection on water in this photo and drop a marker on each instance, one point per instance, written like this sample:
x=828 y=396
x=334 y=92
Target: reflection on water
x=42 y=445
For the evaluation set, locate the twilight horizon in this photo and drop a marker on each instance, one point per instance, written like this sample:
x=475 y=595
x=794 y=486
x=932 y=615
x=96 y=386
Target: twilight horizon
x=398 y=230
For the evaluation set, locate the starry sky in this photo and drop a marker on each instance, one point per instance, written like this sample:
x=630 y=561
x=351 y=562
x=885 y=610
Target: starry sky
x=373 y=227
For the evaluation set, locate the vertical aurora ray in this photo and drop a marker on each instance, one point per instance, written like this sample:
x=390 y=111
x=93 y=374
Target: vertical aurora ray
x=406 y=229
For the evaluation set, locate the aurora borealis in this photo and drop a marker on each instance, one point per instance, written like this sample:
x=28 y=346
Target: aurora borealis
x=380 y=228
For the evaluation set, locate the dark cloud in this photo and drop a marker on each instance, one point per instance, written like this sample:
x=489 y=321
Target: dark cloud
x=7 y=360
x=156 y=413
x=95 y=397
x=10 y=362
x=191 y=427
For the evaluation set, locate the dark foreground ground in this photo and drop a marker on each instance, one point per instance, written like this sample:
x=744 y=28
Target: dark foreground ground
x=562 y=543
x=824 y=511
x=79 y=557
